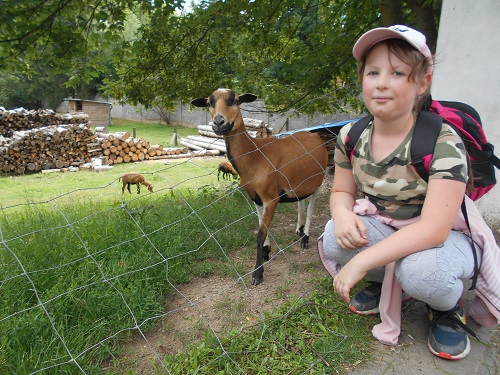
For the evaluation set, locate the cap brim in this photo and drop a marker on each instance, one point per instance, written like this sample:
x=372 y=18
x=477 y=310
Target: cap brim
x=372 y=37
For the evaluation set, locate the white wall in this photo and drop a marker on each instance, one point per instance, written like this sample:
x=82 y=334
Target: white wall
x=468 y=70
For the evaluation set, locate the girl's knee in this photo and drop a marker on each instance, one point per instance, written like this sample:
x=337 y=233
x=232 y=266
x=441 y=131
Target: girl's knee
x=330 y=245
x=437 y=286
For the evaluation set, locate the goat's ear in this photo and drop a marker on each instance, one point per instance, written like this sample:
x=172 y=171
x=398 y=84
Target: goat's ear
x=247 y=98
x=200 y=102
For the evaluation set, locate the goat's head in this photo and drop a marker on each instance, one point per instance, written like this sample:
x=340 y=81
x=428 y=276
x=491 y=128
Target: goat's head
x=224 y=107
x=150 y=188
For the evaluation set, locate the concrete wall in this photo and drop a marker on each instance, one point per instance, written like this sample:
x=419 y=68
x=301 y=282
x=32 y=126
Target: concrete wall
x=467 y=69
x=187 y=116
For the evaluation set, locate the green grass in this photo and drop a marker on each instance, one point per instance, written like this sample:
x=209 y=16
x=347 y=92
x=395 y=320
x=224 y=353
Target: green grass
x=78 y=274
x=83 y=266
x=40 y=186
x=75 y=273
x=310 y=335
x=164 y=175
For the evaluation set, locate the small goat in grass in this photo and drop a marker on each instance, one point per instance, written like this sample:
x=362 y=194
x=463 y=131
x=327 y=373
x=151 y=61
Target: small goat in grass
x=134 y=178
x=226 y=168
x=272 y=170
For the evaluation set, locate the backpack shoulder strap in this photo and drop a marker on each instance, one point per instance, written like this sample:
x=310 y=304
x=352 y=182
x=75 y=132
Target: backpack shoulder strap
x=426 y=132
x=354 y=133
x=425 y=135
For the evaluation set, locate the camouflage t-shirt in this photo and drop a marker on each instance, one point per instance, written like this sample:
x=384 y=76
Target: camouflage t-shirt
x=392 y=184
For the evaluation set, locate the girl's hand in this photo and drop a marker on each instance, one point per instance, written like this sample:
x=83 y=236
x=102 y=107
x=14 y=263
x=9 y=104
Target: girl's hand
x=350 y=231
x=347 y=278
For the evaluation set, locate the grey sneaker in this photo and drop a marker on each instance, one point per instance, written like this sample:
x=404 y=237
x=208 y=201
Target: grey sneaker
x=448 y=336
x=366 y=301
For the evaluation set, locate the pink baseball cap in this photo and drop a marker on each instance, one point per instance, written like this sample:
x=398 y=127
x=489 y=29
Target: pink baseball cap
x=372 y=37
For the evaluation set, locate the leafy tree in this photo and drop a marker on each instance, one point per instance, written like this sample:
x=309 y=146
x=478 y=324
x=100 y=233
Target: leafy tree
x=291 y=53
x=31 y=92
x=15 y=93
x=62 y=48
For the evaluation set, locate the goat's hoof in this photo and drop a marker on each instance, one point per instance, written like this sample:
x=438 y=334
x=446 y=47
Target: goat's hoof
x=257 y=280
x=266 y=250
x=304 y=242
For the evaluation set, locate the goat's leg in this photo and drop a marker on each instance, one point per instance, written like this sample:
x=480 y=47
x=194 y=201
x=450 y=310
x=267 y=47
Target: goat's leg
x=265 y=218
x=301 y=217
x=304 y=241
x=266 y=249
x=138 y=188
x=128 y=188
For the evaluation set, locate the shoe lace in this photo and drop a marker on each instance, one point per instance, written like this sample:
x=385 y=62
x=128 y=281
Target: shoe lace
x=450 y=319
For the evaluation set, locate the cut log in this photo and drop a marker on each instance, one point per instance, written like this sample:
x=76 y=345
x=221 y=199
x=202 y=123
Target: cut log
x=187 y=143
x=208 y=143
x=122 y=136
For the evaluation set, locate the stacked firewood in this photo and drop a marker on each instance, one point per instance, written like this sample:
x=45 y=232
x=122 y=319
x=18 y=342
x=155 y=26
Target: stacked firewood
x=39 y=140
x=42 y=140
x=208 y=140
x=120 y=147
x=22 y=119
x=49 y=147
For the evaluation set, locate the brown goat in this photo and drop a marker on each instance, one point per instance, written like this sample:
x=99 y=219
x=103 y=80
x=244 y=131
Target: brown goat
x=134 y=178
x=226 y=168
x=272 y=170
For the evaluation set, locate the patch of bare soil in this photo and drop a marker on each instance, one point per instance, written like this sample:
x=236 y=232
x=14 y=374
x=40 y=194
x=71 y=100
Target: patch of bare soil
x=219 y=303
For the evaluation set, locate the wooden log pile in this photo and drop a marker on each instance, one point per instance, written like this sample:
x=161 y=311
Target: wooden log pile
x=42 y=140
x=49 y=147
x=208 y=140
x=35 y=140
x=120 y=147
x=22 y=119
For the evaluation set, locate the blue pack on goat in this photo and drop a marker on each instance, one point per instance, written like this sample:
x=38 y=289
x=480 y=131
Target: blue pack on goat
x=467 y=123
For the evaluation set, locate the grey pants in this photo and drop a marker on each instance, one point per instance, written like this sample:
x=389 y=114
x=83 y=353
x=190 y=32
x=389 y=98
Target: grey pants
x=433 y=276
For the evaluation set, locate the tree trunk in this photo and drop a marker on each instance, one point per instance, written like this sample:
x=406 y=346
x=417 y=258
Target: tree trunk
x=424 y=13
x=391 y=11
